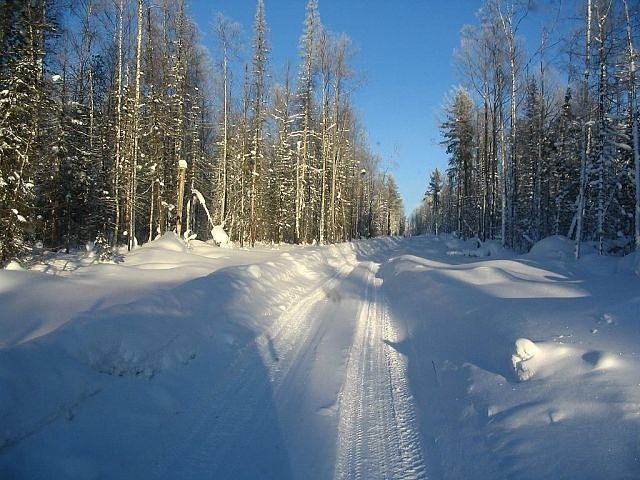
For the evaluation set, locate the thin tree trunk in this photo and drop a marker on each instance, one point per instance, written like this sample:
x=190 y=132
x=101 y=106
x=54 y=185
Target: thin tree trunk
x=634 y=125
x=225 y=145
x=182 y=170
x=136 y=131
x=504 y=190
x=586 y=139
x=323 y=187
x=118 y=160
x=602 y=125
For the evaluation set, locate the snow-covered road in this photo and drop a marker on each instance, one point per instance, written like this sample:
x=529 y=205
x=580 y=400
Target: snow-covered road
x=327 y=366
x=378 y=435
x=391 y=358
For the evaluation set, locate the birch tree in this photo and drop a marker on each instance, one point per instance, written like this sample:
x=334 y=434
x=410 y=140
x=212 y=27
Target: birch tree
x=227 y=33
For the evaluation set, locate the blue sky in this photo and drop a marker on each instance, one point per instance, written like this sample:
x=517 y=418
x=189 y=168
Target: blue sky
x=405 y=55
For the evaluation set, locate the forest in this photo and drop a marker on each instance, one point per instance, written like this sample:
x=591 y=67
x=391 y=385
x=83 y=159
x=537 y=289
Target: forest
x=205 y=266
x=118 y=125
x=542 y=141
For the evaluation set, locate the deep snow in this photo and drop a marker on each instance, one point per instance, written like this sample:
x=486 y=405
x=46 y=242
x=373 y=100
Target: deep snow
x=392 y=358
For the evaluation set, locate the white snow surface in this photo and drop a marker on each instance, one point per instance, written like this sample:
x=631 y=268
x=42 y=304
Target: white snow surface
x=220 y=236
x=398 y=358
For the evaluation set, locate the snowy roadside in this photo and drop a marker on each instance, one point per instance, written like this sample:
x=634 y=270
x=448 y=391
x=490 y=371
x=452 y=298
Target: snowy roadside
x=81 y=330
x=523 y=367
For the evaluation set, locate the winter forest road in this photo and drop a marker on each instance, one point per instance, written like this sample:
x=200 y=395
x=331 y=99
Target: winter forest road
x=391 y=358
x=322 y=393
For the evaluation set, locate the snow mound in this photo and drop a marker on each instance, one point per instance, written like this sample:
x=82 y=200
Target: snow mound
x=14 y=266
x=169 y=242
x=524 y=350
x=555 y=247
x=220 y=237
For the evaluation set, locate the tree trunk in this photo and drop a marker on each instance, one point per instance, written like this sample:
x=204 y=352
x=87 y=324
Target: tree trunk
x=586 y=139
x=136 y=131
x=634 y=126
x=118 y=160
x=182 y=170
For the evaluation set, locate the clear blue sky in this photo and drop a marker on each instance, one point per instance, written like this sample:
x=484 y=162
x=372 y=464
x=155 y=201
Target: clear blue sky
x=405 y=56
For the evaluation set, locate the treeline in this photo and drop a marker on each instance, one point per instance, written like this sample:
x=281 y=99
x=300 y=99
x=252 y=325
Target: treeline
x=530 y=155
x=117 y=125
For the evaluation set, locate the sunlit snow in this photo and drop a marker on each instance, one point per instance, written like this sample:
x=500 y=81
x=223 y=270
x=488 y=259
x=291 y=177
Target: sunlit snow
x=417 y=357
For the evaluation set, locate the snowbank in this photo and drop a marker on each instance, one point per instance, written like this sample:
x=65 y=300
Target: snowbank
x=176 y=303
x=560 y=402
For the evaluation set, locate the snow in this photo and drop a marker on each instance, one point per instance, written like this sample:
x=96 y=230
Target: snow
x=525 y=350
x=13 y=265
x=554 y=247
x=182 y=164
x=219 y=236
x=422 y=357
x=474 y=247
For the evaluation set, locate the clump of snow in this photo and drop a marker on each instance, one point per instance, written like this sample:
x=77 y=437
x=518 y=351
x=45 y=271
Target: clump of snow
x=220 y=237
x=608 y=318
x=169 y=242
x=254 y=271
x=524 y=350
x=182 y=164
x=13 y=265
x=555 y=247
x=188 y=236
x=90 y=247
x=20 y=218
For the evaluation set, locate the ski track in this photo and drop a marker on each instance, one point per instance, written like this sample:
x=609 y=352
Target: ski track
x=377 y=435
x=377 y=432
x=231 y=407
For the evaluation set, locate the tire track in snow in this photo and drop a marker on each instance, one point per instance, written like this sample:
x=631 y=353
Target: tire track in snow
x=377 y=432
x=231 y=407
